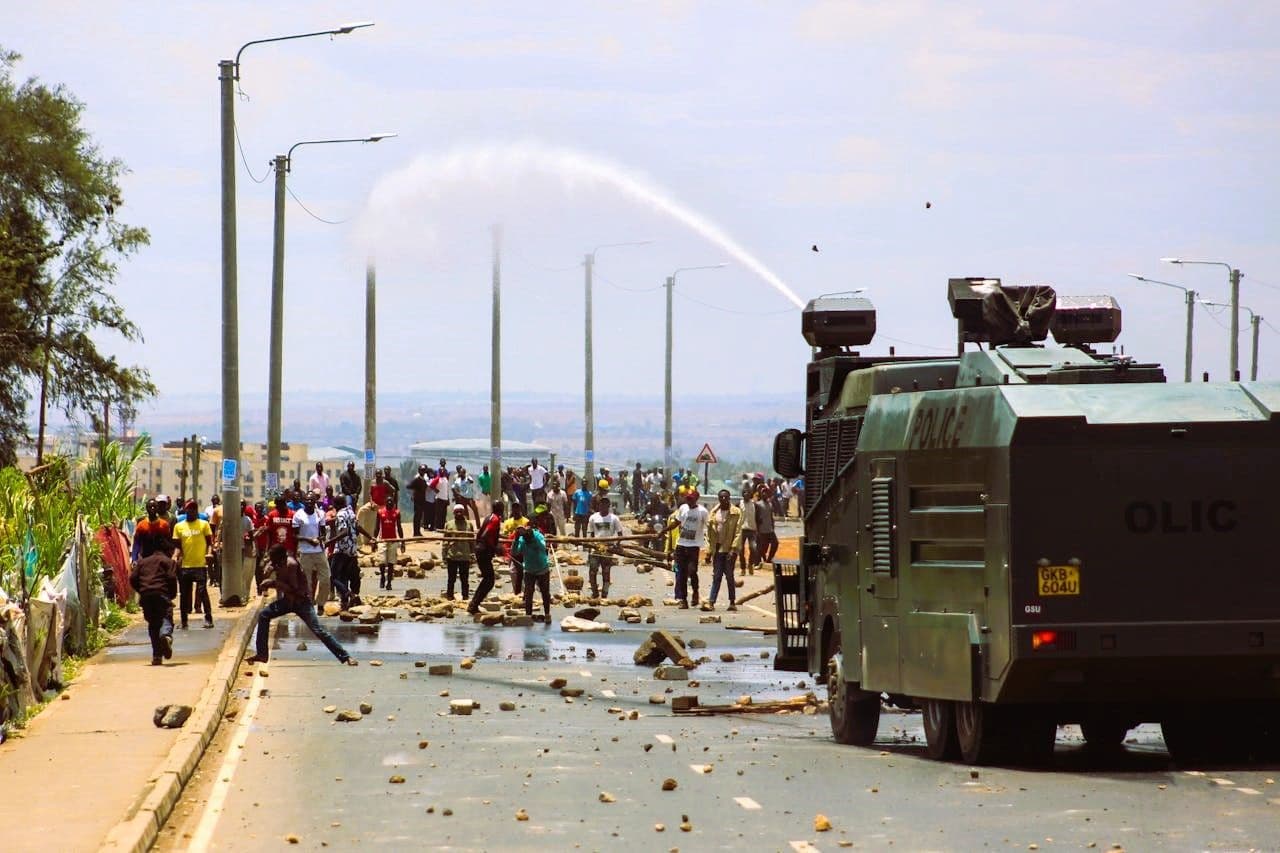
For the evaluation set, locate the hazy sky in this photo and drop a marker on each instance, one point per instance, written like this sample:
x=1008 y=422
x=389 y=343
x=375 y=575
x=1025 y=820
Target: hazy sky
x=1067 y=143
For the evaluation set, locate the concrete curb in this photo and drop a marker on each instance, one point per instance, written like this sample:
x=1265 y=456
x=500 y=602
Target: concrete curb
x=138 y=831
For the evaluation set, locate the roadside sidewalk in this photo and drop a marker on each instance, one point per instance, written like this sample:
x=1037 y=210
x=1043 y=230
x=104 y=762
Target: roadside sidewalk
x=88 y=762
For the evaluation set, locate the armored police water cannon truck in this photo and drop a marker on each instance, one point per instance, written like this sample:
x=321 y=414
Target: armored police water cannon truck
x=1032 y=533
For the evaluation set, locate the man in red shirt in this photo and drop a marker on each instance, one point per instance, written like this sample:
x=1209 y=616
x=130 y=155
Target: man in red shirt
x=379 y=491
x=486 y=547
x=279 y=527
x=389 y=529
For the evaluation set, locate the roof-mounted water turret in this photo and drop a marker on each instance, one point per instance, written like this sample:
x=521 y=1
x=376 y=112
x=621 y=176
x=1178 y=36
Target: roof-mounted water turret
x=838 y=320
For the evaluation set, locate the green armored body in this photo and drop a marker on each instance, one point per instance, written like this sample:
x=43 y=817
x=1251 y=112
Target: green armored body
x=1028 y=534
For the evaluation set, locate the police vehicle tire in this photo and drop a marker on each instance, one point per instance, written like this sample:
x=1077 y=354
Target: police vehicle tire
x=855 y=714
x=939 y=717
x=980 y=733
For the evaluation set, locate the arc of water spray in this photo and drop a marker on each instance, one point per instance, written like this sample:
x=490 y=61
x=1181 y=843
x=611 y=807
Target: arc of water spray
x=423 y=177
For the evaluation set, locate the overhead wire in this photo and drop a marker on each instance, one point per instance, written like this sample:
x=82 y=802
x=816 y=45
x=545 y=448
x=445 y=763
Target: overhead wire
x=697 y=301
x=236 y=129
x=309 y=212
x=617 y=286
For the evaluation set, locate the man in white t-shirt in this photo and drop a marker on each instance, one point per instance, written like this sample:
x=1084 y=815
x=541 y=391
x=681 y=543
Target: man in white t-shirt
x=603 y=524
x=692 y=521
x=537 y=482
x=307 y=523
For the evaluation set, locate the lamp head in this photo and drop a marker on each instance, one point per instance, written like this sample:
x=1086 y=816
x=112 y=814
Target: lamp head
x=377 y=137
x=345 y=29
x=1171 y=260
x=1135 y=275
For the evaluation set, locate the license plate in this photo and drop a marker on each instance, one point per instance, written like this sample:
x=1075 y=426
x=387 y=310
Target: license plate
x=1059 y=580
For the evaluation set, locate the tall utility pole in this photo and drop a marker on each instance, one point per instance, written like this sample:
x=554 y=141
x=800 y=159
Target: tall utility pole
x=370 y=374
x=1191 y=318
x=1235 y=325
x=589 y=417
x=195 y=468
x=235 y=584
x=588 y=393
x=235 y=588
x=666 y=431
x=280 y=164
x=495 y=376
x=1233 y=362
x=283 y=165
x=1255 y=320
x=666 y=422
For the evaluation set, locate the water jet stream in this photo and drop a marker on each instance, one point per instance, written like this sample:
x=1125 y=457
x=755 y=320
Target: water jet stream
x=508 y=161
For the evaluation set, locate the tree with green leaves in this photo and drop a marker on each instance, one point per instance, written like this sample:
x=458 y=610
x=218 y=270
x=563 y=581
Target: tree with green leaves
x=60 y=249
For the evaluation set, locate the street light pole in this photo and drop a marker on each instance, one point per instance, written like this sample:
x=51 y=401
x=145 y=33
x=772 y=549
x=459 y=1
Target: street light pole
x=1255 y=321
x=1233 y=368
x=276 y=349
x=1191 y=316
x=370 y=373
x=235 y=589
x=235 y=585
x=283 y=164
x=666 y=430
x=495 y=376
x=589 y=418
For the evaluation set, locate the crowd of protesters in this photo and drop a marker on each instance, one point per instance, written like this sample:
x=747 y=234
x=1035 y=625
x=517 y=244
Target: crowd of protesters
x=306 y=545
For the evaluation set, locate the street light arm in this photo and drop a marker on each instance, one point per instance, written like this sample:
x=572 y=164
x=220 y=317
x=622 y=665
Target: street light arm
x=1181 y=261
x=1213 y=304
x=690 y=269
x=1157 y=281
x=377 y=137
x=592 y=253
x=343 y=30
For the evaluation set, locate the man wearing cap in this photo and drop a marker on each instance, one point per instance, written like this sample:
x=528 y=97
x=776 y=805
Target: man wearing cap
x=193 y=551
x=458 y=549
x=692 y=521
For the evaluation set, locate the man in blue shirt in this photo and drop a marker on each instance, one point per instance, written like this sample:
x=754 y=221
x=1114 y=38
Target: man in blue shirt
x=581 y=510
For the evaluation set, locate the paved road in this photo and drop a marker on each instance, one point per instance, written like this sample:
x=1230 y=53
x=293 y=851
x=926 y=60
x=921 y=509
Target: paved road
x=744 y=782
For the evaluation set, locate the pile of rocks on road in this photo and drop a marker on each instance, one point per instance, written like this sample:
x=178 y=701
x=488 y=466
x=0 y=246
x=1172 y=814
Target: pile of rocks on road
x=504 y=610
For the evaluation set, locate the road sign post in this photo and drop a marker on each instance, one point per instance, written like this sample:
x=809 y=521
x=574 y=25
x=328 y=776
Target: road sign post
x=706 y=456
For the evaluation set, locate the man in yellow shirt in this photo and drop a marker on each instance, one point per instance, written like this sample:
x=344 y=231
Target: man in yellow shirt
x=193 y=551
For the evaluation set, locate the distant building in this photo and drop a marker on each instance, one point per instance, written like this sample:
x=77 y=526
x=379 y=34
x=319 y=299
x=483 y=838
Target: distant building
x=172 y=468
x=473 y=453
